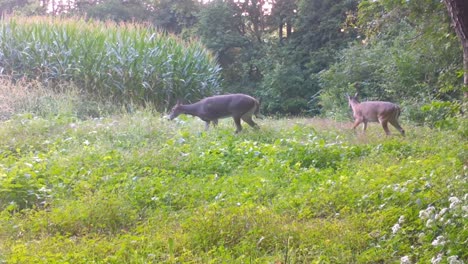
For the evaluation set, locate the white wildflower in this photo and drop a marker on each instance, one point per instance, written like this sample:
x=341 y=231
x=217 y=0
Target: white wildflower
x=405 y=260
x=438 y=259
x=86 y=142
x=439 y=241
x=260 y=240
x=429 y=223
x=178 y=121
x=44 y=190
x=395 y=228
x=441 y=213
x=401 y=219
x=454 y=201
x=454 y=260
x=428 y=213
x=423 y=214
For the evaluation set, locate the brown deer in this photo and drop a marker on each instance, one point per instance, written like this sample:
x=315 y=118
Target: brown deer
x=375 y=111
x=210 y=109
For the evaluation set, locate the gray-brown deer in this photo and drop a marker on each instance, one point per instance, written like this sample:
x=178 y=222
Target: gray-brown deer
x=210 y=109
x=375 y=111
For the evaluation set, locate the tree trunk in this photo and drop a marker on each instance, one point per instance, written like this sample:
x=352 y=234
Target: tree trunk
x=280 y=31
x=458 y=11
x=465 y=67
x=288 y=29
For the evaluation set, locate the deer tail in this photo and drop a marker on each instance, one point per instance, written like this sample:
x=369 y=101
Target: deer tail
x=397 y=112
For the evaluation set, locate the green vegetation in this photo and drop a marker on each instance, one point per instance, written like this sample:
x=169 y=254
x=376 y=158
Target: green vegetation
x=92 y=171
x=396 y=62
x=136 y=188
x=126 y=63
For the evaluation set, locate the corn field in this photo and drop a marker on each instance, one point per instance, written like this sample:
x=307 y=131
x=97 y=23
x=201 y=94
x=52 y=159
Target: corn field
x=126 y=63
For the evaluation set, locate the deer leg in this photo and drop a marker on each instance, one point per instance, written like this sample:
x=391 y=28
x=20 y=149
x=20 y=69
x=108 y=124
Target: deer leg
x=385 y=127
x=207 y=125
x=237 y=121
x=215 y=122
x=248 y=120
x=357 y=122
x=364 y=127
x=397 y=126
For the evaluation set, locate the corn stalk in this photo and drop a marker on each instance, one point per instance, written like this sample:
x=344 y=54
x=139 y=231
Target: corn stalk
x=127 y=63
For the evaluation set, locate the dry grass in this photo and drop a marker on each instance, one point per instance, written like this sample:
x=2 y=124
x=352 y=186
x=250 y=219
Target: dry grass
x=16 y=97
x=66 y=99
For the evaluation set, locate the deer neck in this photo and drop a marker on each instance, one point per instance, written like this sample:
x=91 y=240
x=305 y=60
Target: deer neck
x=191 y=109
x=354 y=105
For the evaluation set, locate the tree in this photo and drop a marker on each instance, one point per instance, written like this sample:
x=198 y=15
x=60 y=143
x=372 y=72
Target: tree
x=116 y=10
x=174 y=15
x=283 y=14
x=458 y=11
x=221 y=29
x=25 y=7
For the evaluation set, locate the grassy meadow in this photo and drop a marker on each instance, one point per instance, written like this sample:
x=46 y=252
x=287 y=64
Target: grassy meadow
x=137 y=188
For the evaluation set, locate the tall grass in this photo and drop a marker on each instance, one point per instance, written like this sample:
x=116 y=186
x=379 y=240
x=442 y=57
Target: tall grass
x=34 y=99
x=127 y=63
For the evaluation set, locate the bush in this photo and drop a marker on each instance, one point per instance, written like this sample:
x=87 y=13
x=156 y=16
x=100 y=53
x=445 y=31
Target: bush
x=441 y=114
x=388 y=67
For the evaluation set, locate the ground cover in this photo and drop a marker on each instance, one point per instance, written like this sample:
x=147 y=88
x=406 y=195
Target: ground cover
x=137 y=188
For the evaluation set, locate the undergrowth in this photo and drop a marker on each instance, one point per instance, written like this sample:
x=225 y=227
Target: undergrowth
x=137 y=188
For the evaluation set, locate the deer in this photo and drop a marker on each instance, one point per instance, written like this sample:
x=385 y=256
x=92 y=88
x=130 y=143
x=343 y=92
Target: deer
x=375 y=111
x=210 y=109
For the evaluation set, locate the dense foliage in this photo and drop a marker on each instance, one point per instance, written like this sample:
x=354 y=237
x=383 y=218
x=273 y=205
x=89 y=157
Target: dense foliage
x=128 y=63
x=398 y=61
x=136 y=188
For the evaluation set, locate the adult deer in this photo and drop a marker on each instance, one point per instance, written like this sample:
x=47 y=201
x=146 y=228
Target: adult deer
x=375 y=111
x=210 y=109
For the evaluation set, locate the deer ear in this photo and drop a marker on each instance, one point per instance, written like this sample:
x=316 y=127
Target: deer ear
x=355 y=95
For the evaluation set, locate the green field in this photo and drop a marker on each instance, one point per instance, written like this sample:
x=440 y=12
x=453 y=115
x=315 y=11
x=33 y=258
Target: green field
x=137 y=188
